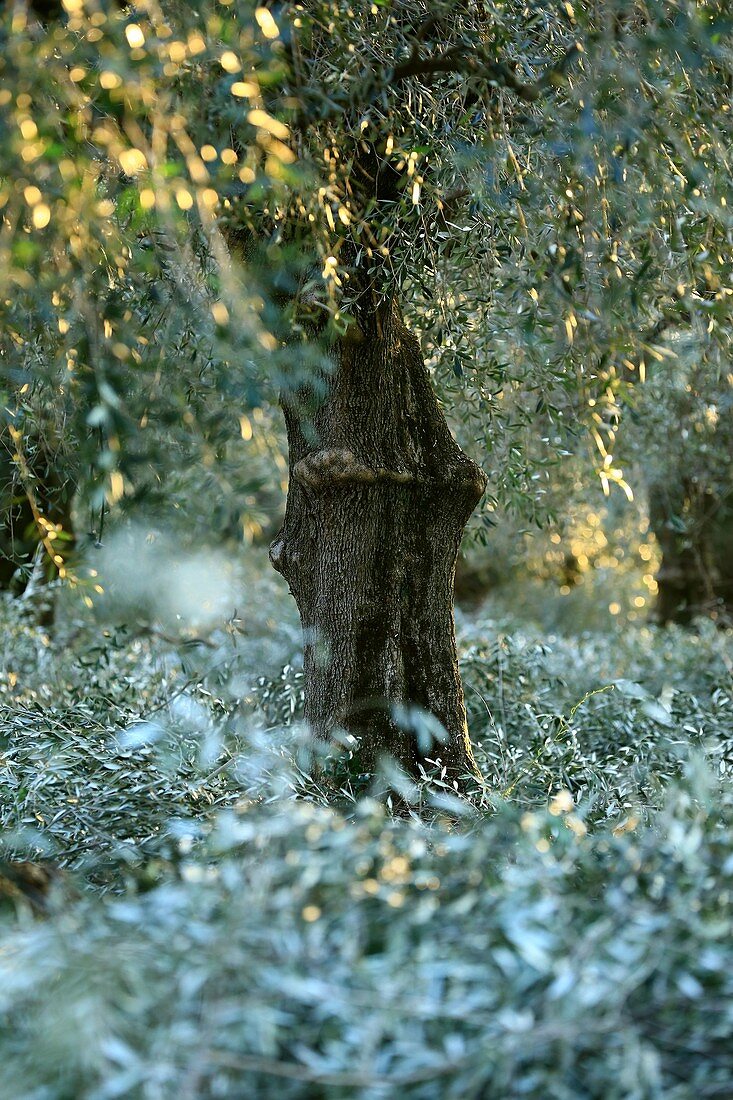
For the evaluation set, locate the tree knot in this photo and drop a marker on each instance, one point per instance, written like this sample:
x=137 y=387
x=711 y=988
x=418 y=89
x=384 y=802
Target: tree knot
x=277 y=554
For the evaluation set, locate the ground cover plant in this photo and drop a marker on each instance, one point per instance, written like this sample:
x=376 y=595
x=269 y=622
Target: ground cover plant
x=222 y=923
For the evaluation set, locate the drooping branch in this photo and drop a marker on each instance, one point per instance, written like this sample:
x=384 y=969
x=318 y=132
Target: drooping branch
x=455 y=62
x=476 y=64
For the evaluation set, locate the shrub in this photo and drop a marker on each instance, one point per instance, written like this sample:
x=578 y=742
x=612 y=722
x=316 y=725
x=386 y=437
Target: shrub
x=305 y=954
x=221 y=931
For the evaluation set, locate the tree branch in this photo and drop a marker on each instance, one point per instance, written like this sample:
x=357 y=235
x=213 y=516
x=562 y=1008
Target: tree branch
x=453 y=61
x=480 y=65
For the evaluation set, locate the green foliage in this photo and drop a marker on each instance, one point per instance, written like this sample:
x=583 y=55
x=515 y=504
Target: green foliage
x=186 y=193
x=567 y=933
x=564 y=712
x=305 y=954
x=131 y=354
x=546 y=192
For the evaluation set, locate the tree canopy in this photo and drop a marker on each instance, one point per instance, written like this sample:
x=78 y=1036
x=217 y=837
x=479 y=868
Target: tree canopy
x=547 y=185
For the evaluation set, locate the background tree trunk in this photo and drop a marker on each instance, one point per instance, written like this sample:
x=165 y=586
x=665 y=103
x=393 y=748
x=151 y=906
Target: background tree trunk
x=20 y=535
x=379 y=495
x=694 y=529
x=721 y=540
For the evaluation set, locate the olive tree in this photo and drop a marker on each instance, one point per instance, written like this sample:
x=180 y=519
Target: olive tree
x=378 y=212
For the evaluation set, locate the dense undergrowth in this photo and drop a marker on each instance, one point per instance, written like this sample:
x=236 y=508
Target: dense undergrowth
x=232 y=921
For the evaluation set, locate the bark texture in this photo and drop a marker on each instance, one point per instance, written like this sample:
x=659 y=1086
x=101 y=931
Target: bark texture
x=379 y=495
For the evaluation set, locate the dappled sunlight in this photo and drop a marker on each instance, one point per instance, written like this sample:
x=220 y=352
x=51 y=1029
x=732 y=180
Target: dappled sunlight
x=155 y=574
x=296 y=300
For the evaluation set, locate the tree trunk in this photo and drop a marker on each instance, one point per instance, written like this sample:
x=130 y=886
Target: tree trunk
x=21 y=537
x=694 y=530
x=722 y=551
x=379 y=495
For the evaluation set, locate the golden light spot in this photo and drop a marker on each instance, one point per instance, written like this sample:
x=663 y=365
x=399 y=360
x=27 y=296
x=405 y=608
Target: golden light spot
x=197 y=169
x=32 y=195
x=132 y=161
x=576 y=825
x=28 y=129
x=230 y=62
x=542 y=845
x=177 y=51
x=267 y=24
x=209 y=197
x=220 y=313
x=41 y=215
x=639 y=601
x=273 y=126
x=614 y=608
x=228 y=156
x=134 y=36
x=330 y=270
x=287 y=156
x=184 y=199
x=561 y=803
x=311 y=913
x=627 y=826
x=108 y=79
x=395 y=869
x=116 y=487
x=208 y=152
x=147 y=198
x=244 y=89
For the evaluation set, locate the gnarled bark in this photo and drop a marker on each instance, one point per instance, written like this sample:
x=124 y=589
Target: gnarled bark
x=379 y=495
